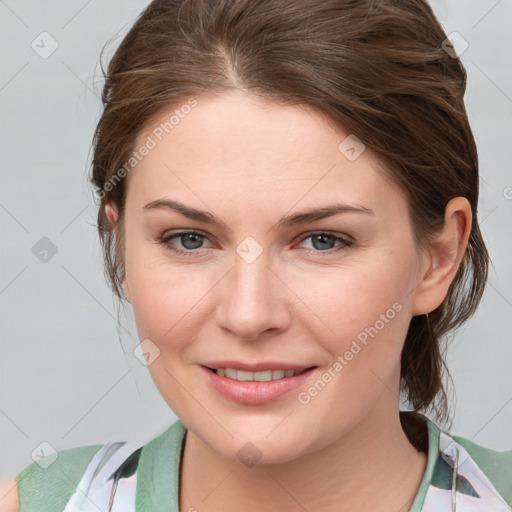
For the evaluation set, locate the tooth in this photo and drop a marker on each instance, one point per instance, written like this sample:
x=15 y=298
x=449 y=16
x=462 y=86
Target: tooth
x=231 y=373
x=245 y=376
x=277 y=374
x=263 y=376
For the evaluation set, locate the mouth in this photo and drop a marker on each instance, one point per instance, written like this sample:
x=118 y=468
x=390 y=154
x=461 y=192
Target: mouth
x=259 y=385
x=260 y=376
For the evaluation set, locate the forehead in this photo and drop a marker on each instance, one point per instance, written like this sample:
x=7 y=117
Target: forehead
x=234 y=146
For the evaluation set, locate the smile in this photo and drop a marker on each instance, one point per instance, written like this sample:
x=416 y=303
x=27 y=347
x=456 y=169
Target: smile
x=262 y=376
x=255 y=387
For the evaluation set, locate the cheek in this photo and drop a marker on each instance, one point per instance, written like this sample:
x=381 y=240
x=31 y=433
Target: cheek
x=364 y=321
x=169 y=301
x=350 y=300
x=164 y=303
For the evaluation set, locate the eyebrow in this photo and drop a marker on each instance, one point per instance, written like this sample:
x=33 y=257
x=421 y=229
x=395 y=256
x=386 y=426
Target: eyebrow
x=288 y=220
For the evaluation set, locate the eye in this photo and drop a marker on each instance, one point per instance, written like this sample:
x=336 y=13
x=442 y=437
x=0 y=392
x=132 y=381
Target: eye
x=190 y=240
x=322 y=241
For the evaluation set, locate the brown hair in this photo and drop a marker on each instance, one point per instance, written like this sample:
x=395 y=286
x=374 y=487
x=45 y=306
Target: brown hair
x=376 y=68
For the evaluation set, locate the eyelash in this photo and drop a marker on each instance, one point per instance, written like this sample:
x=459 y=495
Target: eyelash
x=166 y=239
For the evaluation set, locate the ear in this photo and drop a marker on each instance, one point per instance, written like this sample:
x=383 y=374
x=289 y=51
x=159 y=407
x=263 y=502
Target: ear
x=445 y=256
x=111 y=213
x=113 y=216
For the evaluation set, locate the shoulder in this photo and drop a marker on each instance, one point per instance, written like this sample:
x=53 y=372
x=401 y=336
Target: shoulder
x=496 y=465
x=50 y=483
x=47 y=484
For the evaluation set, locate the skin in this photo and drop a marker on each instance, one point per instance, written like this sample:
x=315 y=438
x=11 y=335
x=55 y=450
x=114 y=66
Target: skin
x=249 y=162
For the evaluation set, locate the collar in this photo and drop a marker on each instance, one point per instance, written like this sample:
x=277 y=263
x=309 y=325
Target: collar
x=452 y=481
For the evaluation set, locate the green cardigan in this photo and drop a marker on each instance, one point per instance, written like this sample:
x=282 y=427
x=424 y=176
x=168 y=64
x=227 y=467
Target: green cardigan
x=48 y=490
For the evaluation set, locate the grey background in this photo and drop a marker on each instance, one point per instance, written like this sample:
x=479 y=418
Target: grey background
x=65 y=376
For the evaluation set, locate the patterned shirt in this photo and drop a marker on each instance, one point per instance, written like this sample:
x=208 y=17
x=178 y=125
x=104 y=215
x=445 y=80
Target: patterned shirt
x=126 y=477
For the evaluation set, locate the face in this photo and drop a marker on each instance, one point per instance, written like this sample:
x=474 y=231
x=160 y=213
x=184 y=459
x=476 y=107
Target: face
x=328 y=298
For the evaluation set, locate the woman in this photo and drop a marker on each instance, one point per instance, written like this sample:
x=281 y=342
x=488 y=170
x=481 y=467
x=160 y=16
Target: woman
x=287 y=198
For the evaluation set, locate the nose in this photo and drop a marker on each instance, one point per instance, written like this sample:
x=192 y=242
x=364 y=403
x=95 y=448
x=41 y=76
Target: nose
x=253 y=299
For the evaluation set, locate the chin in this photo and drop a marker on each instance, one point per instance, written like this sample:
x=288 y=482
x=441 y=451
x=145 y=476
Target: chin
x=258 y=452
x=258 y=441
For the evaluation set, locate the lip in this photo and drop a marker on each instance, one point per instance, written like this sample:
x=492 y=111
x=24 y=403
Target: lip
x=254 y=392
x=254 y=367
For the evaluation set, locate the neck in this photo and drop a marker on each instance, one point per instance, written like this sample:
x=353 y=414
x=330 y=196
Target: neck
x=373 y=467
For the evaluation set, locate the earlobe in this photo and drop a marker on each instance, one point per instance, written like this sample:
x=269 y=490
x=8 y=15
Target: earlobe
x=446 y=255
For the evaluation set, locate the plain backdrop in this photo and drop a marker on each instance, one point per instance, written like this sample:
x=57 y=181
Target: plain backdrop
x=68 y=377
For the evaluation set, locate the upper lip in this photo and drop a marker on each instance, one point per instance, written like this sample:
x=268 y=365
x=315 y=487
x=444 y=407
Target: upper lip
x=255 y=367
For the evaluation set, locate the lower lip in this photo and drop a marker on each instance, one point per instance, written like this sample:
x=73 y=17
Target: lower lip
x=252 y=392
